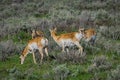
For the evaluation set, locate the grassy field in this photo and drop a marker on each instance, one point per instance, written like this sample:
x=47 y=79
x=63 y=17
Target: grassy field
x=19 y=17
x=51 y=69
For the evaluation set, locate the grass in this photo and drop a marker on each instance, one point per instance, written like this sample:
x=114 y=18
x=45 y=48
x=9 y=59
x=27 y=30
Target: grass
x=33 y=13
x=78 y=71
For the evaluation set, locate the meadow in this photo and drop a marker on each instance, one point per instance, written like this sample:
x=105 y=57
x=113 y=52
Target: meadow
x=19 y=17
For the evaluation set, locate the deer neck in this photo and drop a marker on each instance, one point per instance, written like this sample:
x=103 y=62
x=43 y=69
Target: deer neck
x=55 y=37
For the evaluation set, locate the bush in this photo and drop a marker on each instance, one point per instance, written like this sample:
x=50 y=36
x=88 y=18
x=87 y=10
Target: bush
x=114 y=74
x=16 y=74
x=103 y=18
x=59 y=72
x=7 y=48
x=72 y=56
x=99 y=63
x=96 y=76
x=75 y=71
x=112 y=32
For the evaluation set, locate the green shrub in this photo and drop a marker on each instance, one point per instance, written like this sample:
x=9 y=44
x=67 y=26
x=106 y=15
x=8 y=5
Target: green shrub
x=60 y=72
x=114 y=74
x=99 y=63
x=16 y=74
x=75 y=71
x=32 y=77
x=7 y=48
x=73 y=56
x=103 y=17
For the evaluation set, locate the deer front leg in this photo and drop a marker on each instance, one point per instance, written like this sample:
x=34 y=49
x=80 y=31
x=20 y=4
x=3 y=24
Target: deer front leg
x=63 y=48
x=80 y=47
x=34 y=57
x=41 y=53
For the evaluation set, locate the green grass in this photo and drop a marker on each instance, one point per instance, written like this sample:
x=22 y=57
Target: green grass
x=78 y=71
x=27 y=13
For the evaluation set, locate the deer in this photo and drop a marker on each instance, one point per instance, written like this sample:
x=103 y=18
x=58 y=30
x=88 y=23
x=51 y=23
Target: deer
x=36 y=33
x=90 y=36
x=38 y=43
x=68 y=39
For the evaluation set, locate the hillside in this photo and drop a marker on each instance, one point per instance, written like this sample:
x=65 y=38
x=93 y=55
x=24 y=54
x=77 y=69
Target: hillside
x=19 y=17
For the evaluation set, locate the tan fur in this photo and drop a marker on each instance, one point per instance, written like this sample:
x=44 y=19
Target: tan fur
x=89 y=33
x=67 y=39
x=36 y=33
x=39 y=43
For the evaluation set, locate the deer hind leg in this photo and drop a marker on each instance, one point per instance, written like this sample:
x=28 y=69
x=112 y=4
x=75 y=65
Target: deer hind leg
x=41 y=53
x=67 y=49
x=80 y=47
x=63 y=47
x=46 y=51
x=34 y=57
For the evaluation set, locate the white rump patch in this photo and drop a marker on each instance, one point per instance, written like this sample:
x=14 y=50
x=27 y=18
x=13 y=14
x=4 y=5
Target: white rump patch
x=44 y=42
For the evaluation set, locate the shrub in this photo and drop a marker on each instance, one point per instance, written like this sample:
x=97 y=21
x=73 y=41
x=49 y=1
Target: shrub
x=59 y=72
x=7 y=48
x=99 y=63
x=73 y=56
x=103 y=17
x=96 y=76
x=87 y=18
x=76 y=70
x=16 y=74
x=112 y=32
x=114 y=74
x=32 y=77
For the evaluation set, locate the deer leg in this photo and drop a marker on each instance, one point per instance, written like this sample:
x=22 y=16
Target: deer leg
x=46 y=51
x=67 y=50
x=80 y=47
x=63 y=48
x=34 y=57
x=41 y=53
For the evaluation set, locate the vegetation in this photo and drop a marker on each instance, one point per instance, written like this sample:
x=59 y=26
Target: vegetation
x=99 y=62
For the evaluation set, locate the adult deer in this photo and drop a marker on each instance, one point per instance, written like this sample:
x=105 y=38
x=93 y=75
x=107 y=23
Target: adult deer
x=39 y=43
x=68 y=39
x=90 y=35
